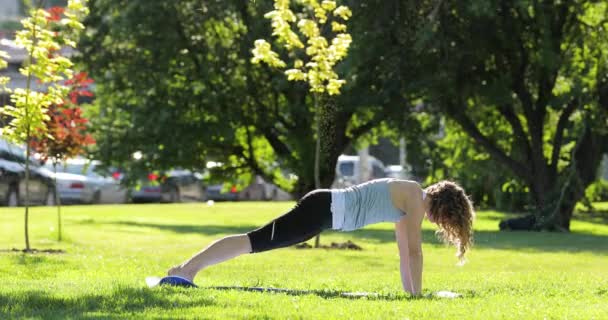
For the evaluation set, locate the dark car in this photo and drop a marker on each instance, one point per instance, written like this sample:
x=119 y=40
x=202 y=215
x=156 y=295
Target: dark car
x=261 y=190
x=12 y=178
x=173 y=186
x=257 y=190
x=218 y=192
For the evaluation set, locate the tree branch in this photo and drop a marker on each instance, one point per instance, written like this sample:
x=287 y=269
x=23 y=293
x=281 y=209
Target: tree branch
x=179 y=28
x=549 y=72
x=559 y=132
x=251 y=160
x=524 y=95
x=469 y=126
x=533 y=117
x=508 y=113
x=370 y=124
x=277 y=145
x=519 y=66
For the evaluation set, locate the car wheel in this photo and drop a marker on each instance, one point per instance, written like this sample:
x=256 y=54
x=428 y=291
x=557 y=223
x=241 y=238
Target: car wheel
x=174 y=196
x=13 y=197
x=128 y=197
x=49 y=200
x=204 y=196
x=96 y=198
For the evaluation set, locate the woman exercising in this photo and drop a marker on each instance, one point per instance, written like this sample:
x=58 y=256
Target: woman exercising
x=383 y=200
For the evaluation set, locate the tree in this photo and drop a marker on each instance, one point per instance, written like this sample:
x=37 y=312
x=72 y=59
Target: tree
x=28 y=113
x=209 y=101
x=537 y=68
x=457 y=156
x=313 y=63
x=66 y=131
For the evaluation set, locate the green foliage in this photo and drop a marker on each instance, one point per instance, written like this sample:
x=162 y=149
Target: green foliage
x=3 y=80
x=322 y=56
x=423 y=154
x=186 y=83
x=3 y=64
x=41 y=42
x=183 y=98
x=46 y=65
x=523 y=80
x=458 y=157
x=597 y=191
x=482 y=64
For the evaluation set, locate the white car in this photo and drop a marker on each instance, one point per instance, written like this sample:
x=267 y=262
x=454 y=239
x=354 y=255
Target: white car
x=349 y=171
x=78 y=181
x=398 y=172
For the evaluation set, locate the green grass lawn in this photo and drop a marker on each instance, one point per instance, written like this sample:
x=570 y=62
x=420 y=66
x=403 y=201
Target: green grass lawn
x=111 y=249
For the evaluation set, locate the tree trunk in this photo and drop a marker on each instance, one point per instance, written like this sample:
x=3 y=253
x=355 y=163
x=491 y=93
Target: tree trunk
x=588 y=158
x=331 y=140
x=57 y=202
x=332 y=135
x=556 y=201
x=330 y=143
x=27 y=192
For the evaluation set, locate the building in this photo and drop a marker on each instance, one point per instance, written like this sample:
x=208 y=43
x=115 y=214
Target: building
x=10 y=10
x=13 y=10
x=16 y=58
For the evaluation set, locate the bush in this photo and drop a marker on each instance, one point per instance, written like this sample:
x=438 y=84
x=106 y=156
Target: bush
x=512 y=196
x=597 y=191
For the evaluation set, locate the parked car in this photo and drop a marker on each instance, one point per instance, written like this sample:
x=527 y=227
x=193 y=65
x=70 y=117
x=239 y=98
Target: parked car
x=83 y=181
x=12 y=178
x=348 y=171
x=260 y=190
x=173 y=186
x=219 y=192
x=9 y=180
x=257 y=190
x=397 y=172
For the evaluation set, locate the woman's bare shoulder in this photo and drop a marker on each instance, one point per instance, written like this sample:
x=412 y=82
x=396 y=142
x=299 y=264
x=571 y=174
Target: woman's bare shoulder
x=405 y=185
x=403 y=192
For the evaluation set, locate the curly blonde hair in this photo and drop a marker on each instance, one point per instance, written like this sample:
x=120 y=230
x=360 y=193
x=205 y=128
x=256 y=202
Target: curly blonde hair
x=453 y=212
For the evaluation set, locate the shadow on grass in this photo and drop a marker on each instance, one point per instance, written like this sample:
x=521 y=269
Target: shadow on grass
x=209 y=230
x=336 y=294
x=513 y=240
x=118 y=304
x=326 y=294
x=28 y=259
x=510 y=240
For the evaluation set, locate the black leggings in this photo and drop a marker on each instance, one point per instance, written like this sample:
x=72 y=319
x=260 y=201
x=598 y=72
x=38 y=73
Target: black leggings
x=310 y=216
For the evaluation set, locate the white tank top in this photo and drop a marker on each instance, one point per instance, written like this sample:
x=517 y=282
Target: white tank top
x=357 y=206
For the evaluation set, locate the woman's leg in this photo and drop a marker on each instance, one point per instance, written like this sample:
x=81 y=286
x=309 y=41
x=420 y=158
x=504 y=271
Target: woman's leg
x=308 y=218
x=221 y=250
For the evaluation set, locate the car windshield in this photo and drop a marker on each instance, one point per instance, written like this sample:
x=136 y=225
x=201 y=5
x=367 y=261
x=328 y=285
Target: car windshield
x=347 y=168
x=85 y=169
x=13 y=153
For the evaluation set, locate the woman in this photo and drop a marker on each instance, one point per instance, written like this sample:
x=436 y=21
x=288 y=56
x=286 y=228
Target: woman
x=382 y=200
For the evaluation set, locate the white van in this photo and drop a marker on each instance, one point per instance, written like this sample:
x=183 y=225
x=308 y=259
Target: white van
x=348 y=171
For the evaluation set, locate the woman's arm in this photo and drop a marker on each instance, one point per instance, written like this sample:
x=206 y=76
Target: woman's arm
x=407 y=196
x=409 y=241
